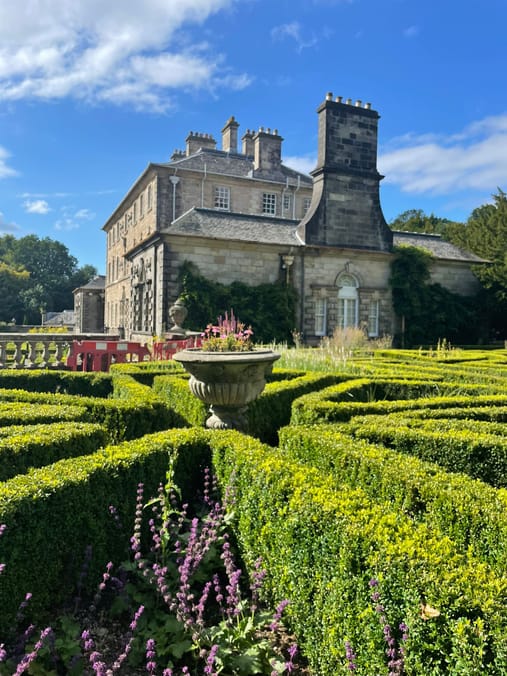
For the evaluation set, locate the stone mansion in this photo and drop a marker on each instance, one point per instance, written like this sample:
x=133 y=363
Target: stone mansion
x=244 y=215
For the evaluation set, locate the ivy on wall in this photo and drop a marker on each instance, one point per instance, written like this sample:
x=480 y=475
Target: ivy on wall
x=270 y=309
x=429 y=312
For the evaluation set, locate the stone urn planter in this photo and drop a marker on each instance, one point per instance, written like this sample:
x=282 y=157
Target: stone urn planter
x=227 y=381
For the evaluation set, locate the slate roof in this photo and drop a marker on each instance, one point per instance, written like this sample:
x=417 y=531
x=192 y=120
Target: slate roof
x=225 y=225
x=98 y=282
x=234 y=164
x=214 y=224
x=435 y=245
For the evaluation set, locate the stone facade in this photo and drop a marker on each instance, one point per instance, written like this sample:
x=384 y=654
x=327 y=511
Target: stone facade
x=246 y=216
x=89 y=306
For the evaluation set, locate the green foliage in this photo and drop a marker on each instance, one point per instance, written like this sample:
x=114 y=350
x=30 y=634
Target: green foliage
x=54 y=513
x=53 y=275
x=12 y=283
x=322 y=543
x=485 y=234
x=415 y=220
x=469 y=511
x=39 y=445
x=429 y=312
x=268 y=308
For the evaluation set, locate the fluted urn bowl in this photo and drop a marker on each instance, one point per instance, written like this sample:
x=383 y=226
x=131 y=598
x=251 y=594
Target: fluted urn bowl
x=227 y=381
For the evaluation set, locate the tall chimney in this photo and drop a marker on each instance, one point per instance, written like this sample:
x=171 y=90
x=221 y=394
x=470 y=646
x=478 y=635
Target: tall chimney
x=248 y=144
x=230 y=136
x=267 y=151
x=346 y=209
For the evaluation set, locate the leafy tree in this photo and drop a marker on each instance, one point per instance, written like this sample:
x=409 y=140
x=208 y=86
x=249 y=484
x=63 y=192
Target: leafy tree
x=53 y=274
x=415 y=220
x=12 y=284
x=485 y=233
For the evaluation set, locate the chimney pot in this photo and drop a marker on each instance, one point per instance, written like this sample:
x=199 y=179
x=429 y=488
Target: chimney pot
x=338 y=99
x=358 y=103
x=348 y=102
x=329 y=96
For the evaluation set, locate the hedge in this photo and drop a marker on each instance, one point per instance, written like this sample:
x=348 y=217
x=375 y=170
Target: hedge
x=472 y=513
x=16 y=413
x=39 y=445
x=126 y=419
x=265 y=415
x=316 y=407
x=49 y=380
x=481 y=456
x=54 y=513
x=322 y=544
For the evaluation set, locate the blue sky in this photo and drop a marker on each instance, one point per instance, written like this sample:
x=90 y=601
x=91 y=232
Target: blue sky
x=92 y=91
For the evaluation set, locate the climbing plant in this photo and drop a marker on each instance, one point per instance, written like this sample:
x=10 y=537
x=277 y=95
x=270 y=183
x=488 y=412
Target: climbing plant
x=429 y=312
x=270 y=309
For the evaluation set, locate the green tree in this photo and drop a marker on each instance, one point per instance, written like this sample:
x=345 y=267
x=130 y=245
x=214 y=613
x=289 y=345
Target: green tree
x=12 y=283
x=54 y=274
x=415 y=220
x=485 y=233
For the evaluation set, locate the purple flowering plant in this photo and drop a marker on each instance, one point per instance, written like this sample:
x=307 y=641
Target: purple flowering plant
x=227 y=335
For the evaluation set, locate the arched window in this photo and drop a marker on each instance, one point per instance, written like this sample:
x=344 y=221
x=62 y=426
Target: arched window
x=347 y=301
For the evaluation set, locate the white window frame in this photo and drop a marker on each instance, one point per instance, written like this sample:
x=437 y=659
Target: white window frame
x=150 y=198
x=222 y=198
x=373 y=318
x=286 y=202
x=269 y=203
x=348 y=301
x=306 y=204
x=320 y=316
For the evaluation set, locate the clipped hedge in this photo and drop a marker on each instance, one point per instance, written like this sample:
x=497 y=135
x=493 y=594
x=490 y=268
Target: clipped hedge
x=125 y=419
x=316 y=407
x=17 y=413
x=53 y=514
x=472 y=513
x=321 y=545
x=481 y=456
x=265 y=415
x=51 y=380
x=39 y=445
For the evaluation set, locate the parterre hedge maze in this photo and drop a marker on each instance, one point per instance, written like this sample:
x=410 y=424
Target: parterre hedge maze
x=375 y=496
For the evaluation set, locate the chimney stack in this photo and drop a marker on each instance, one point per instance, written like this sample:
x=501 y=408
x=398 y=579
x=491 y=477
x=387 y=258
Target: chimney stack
x=230 y=136
x=248 y=144
x=267 y=151
x=346 y=209
x=195 y=141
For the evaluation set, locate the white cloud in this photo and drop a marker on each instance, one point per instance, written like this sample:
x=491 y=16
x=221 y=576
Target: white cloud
x=66 y=224
x=36 y=207
x=473 y=159
x=120 y=51
x=303 y=163
x=5 y=170
x=294 y=31
x=7 y=228
x=84 y=215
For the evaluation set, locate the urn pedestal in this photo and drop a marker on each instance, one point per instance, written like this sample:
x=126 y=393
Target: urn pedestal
x=227 y=381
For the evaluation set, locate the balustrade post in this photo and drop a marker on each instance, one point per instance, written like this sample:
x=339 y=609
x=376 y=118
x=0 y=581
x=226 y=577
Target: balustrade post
x=19 y=357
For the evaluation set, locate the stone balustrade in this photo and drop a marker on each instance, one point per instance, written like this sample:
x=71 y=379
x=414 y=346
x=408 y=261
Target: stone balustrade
x=40 y=350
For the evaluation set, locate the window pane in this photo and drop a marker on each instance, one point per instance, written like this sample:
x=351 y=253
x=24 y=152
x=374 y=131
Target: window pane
x=222 y=198
x=373 y=317
x=269 y=203
x=320 y=316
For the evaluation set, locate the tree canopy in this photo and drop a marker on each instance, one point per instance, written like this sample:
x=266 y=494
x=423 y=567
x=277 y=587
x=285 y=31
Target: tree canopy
x=37 y=275
x=485 y=234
